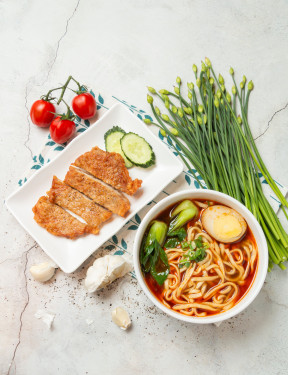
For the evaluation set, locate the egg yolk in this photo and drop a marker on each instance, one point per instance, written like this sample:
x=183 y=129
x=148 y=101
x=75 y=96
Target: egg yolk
x=227 y=226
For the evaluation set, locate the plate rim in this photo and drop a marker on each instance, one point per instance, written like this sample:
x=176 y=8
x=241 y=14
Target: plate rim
x=125 y=220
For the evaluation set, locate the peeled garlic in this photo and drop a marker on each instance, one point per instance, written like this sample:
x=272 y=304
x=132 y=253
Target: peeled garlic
x=107 y=269
x=121 y=318
x=43 y=271
x=46 y=317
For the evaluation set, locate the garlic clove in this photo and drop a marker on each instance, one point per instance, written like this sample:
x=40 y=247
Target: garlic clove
x=43 y=271
x=121 y=318
x=96 y=277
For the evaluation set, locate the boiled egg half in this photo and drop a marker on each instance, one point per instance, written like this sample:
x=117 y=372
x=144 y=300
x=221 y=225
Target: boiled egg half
x=223 y=223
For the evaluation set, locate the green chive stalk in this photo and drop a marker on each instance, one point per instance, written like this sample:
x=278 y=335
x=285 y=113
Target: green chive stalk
x=211 y=133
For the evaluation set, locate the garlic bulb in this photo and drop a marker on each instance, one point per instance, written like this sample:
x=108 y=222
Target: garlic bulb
x=121 y=318
x=105 y=270
x=43 y=271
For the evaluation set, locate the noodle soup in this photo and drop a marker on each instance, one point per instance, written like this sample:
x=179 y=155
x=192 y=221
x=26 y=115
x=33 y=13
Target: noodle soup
x=196 y=274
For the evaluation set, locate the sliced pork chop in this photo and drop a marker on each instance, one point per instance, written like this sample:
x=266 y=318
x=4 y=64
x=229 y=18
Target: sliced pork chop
x=69 y=198
x=57 y=221
x=110 y=168
x=95 y=189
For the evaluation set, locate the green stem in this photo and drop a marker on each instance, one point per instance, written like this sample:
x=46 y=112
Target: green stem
x=64 y=87
x=49 y=92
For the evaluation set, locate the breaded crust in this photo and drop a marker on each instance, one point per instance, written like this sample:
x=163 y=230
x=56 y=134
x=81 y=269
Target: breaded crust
x=98 y=191
x=69 y=198
x=110 y=168
x=57 y=221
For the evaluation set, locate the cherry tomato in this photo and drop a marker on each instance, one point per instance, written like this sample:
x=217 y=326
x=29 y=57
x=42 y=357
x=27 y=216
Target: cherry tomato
x=84 y=105
x=62 y=130
x=40 y=113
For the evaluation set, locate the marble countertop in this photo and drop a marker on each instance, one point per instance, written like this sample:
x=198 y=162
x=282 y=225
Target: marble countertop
x=121 y=47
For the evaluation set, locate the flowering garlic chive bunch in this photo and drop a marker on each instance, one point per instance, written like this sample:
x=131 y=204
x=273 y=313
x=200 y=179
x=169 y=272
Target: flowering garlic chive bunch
x=209 y=129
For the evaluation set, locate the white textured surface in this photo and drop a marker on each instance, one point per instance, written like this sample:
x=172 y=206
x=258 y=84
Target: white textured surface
x=120 y=47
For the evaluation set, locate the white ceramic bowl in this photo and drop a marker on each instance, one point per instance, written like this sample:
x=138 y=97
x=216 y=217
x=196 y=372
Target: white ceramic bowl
x=252 y=223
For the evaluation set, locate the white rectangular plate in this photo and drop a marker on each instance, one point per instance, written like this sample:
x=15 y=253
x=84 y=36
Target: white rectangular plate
x=70 y=254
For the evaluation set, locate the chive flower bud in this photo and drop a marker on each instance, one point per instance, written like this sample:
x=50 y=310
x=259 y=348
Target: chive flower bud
x=164 y=97
x=157 y=110
x=178 y=80
x=208 y=73
x=190 y=85
x=200 y=108
x=180 y=112
x=205 y=119
x=198 y=82
x=228 y=97
x=147 y=121
x=222 y=101
x=149 y=99
x=174 y=123
x=194 y=68
x=208 y=62
x=190 y=95
x=174 y=131
x=241 y=85
x=239 y=120
x=216 y=102
x=250 y=86
x=188 y=110
x=176 y=90
x=244 y=79
x=199 y=120
x=211 y=81
x=165 y=117
x=222 y=88
x=163 y=91
x=219 y=94
x=167 y=105
x=231 y=71
x=151 y=89
x=162 y=131
x=203 y=67
x=174 y=109
x=221 y=79
x=234 y=90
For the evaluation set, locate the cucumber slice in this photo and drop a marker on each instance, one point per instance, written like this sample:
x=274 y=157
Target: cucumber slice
x=112 y=143
x=137 y=150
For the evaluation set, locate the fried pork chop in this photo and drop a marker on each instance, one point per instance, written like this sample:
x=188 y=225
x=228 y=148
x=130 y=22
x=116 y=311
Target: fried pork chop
x=110 y=168
x=57 y=221
x=69 y=198
x=98 y=191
